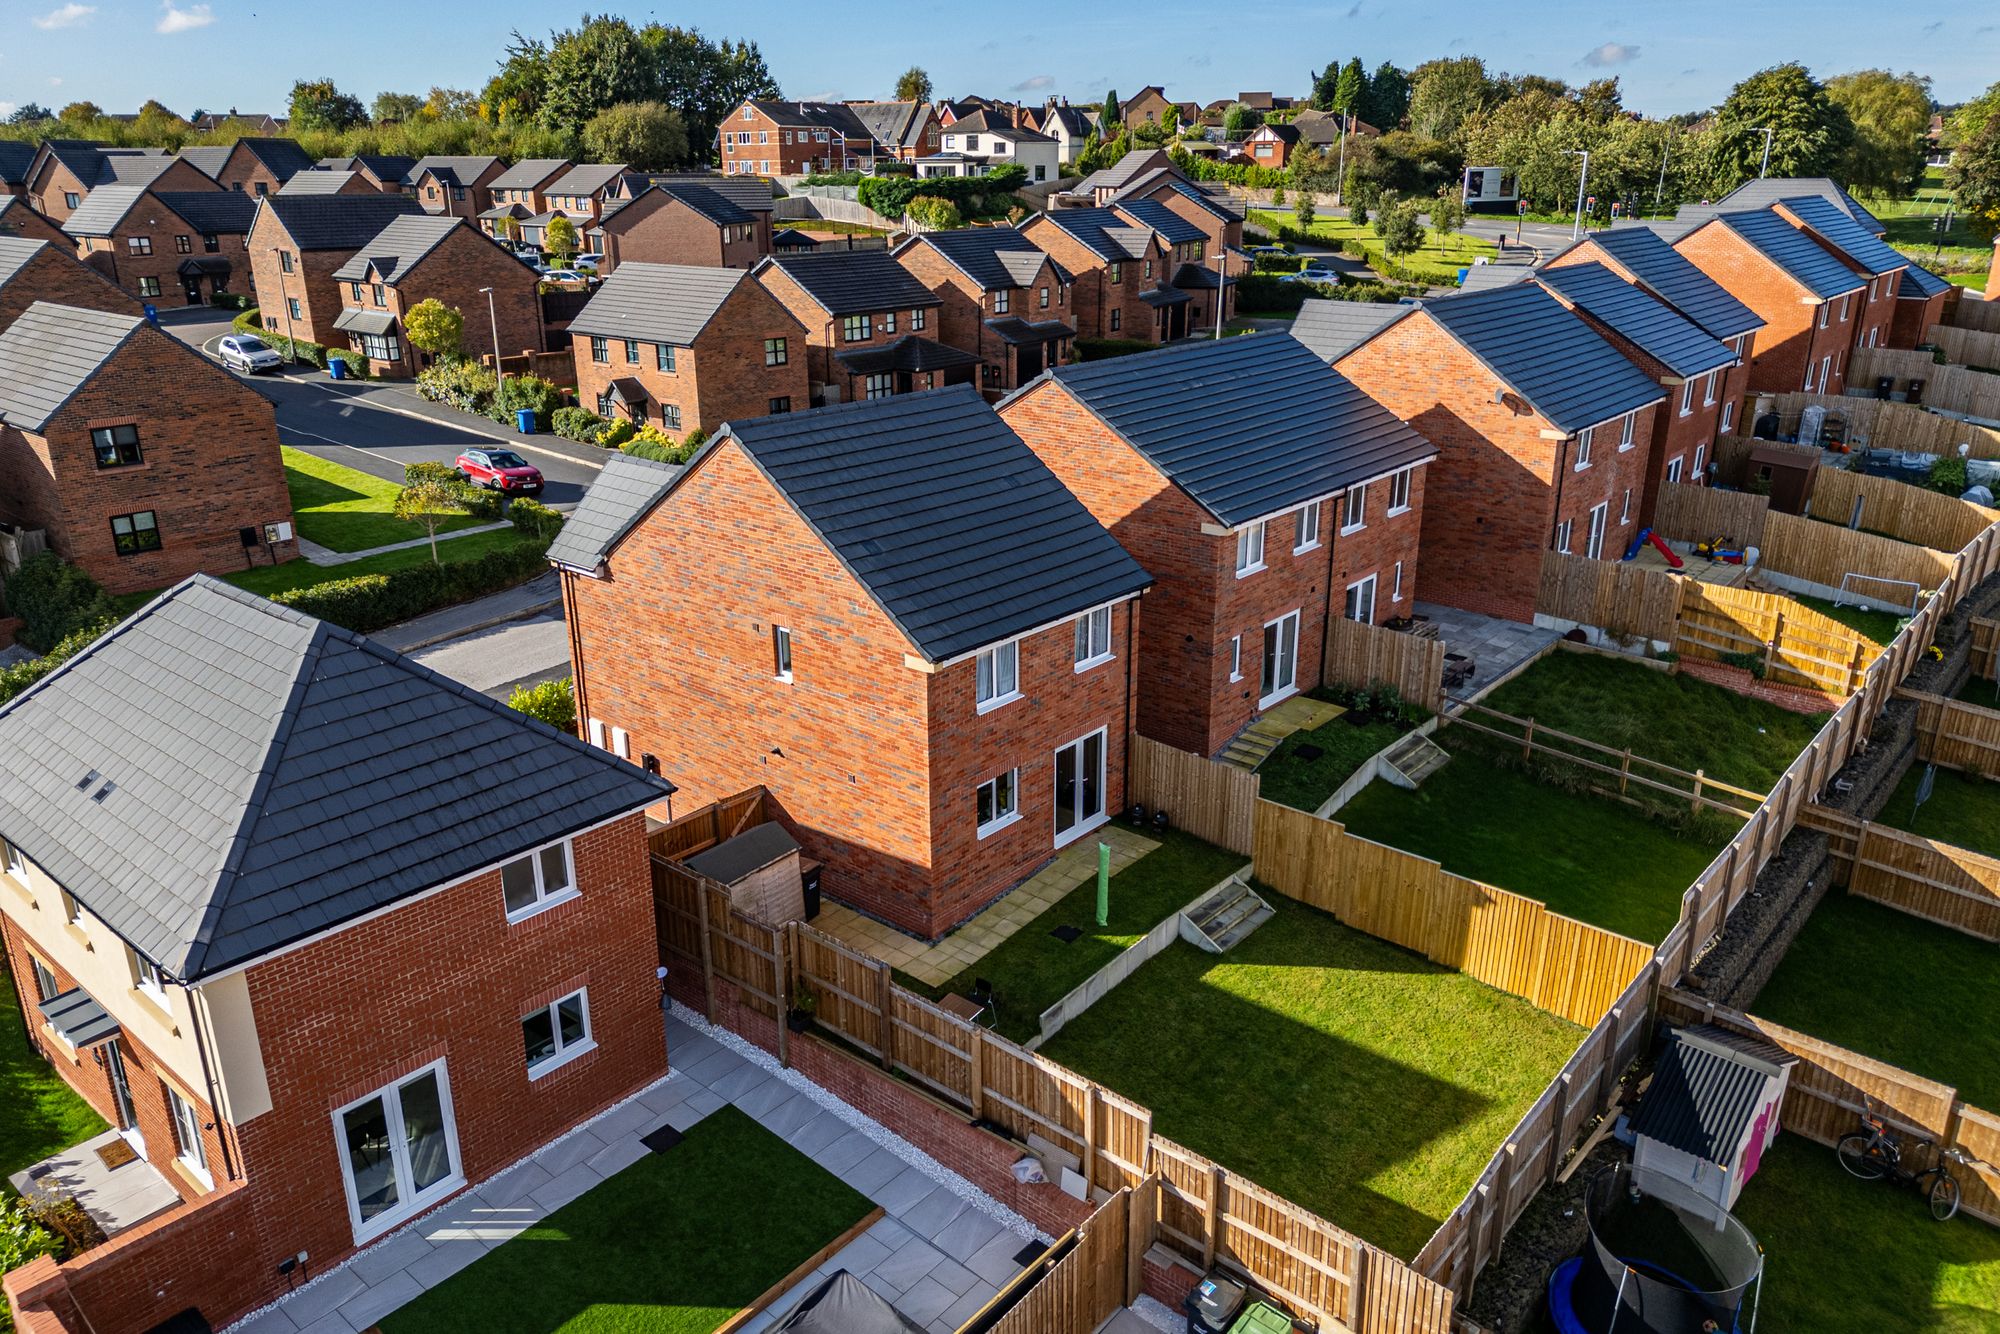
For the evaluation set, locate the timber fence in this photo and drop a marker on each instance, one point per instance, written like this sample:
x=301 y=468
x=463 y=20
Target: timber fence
x=1966 y=347
x=1984 y=315
x=1884 y=424
x=1938 y=882
x=1358 y=654
x=1985 y=641
x=1975 y=393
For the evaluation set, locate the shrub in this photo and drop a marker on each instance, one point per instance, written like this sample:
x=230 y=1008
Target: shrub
x=552 y=702
x=579 y=424
x=613 y=434
x=15 y=679
x=55 y=598
x=1750 y=661
x=930 y=211
x=368 y=602
x=527 y=391
x=436 y=328
x=659 y=451
x=230 y=301
x=1948 y=476
x=833 y=178
x=465 y=385
x=532 y=518
x=973 y=195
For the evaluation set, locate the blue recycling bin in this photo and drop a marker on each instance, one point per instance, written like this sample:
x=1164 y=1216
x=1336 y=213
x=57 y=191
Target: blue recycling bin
x=152 y=313
x=336 y=367
x=524 y=420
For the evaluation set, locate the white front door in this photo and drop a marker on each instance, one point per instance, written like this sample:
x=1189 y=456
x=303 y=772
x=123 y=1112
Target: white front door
x=1079 y=787
x=1281 y=660
x=1595 y=548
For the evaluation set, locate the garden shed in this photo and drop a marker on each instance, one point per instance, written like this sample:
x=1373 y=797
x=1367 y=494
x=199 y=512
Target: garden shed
x=763 y=871
x=1709 y=1115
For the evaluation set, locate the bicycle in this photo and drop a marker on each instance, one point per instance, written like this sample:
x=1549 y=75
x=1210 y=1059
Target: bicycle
x=1872 y=1154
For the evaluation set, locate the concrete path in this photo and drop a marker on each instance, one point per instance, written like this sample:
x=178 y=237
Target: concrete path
x=941 y=1253
x=320 y=555
x=536 y=597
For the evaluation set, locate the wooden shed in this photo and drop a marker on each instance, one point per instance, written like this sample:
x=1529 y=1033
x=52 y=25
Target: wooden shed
x=1706 y=1120
x=1790 y=473
x=762 y=870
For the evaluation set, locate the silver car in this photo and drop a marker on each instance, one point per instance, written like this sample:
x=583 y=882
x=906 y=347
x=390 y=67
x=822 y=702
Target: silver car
x=247 y=355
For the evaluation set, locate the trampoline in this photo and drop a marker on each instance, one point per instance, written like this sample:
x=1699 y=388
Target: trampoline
x=1653 y=1267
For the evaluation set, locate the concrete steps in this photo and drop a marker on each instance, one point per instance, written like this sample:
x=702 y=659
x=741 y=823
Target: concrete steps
x=1221 y=920
x=1413 y=759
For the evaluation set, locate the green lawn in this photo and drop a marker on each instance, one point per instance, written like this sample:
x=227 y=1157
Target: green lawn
x=1880 y=626
x=1979 y=690
x=1674 y=719
x=1976 y=281
x=675 y=1244
x=1032 y=970
x=1859 y=1257
x=1960 y=810
x=346 y=510
x=39 y=1114
x=269 y=579
x=1344 y=1073
x=1586 y=857
x=1894 y=987
x=1439 y=266
x=1305 y=784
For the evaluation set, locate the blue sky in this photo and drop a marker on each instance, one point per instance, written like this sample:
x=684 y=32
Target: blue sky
x=1671 y=56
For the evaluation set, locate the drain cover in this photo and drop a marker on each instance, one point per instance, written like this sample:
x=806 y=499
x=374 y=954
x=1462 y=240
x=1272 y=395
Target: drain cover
x=1307 y=751
x=1066 y=933
x=1028 y=1254
x=659 y=1141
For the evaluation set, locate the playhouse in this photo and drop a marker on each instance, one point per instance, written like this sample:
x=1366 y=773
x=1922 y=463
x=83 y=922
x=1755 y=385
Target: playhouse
x=1711 y=1112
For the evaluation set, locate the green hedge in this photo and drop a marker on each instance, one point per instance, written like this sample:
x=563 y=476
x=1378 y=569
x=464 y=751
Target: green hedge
x=974 y=195
x=369 y=602
x=15 y=679
x=578 y=424
x=56 y=599
x=533 y=519
x=231 y=301
x=298 y=349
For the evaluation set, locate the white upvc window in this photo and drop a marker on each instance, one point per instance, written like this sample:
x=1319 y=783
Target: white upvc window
x=1360 y=603
x=1687 y=397
x=781 y=652
x=1700 y=458
x=1354 y=509
x=1308 y=529
x=1627 y=426
x=1708 y=389
x=1093 y=639
x=1396 y=589
x=1594 y=544
x=1250 y=549
x=1674 y=466
x=72 y=911
x=1562 y=534
x=1399 y=491
x=1825 y=313
x=188 y=1146
x=1728 y=423
x=553 y=1035
x=1236 y=657
x=147 y=979
x=888 y=321
x=398 y=1151
x=539 y=880
x=621 y=743
x=998 y=802
x=1583 y=439
x=999 y=675
x=1846 y=304
x=12 y=862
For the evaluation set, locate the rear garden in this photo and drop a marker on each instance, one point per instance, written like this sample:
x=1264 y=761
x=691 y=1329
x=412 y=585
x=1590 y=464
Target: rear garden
x=39 y=1113
x=1962 y=809
x=1348 y=1075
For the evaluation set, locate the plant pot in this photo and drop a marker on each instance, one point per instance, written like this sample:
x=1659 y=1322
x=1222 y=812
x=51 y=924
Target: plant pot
x=798 y=1020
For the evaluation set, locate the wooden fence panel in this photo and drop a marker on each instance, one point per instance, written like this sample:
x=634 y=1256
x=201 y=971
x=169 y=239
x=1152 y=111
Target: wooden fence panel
x=1083 y=1288
x=1948 y=388
x=1908 y=513
x=1823 y=554
x=1935 y=881
x=1620 y=599
x=1366 y=655
x=1216 y=802
x=1905 y=427
x=1978 y=1133
x=1957 y=735
x=1985 y=638
x=707 y=826
x=1798 y=645
x=1966 y=347
x=1697 y=513
x=1975 y=315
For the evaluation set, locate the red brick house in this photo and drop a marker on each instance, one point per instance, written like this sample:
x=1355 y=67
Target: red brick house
x=687 y=348
x=520 y=193
x=1128 y=283
x=676 y=223
x=1005 y=301
x=1100 y=186
x=1271 y=144
x=19 y=220
x=32 y=271
x=267 y=935
x=66 y=170
x=1861 y=251
x=1641 y=255
x=165 y=246
x=774 y=138
x=1263 y=491
x=413 y=259
x=318 y=182
x=458 y=187
x=296 y=243
x=135 y=486
x=1220 y=221
x=1690 y=364
x=909 y=130
x=16 y=156
x=890 y=615
x=1806 y=297
x=753 y=194
x=580 y=193
x=387 y=172
x=1149 y=106
x=254 y=166
x=1921 y=299
x=1542 y=430
x=871 y=327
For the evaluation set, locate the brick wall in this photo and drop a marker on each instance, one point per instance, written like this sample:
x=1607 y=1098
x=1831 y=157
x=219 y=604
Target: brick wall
x=244 y=171
x=1790 y=339
x=439 y=198
x=657 y=228
x=19 y=219
x=210 y=427
x=55 y=275
x=453 y=273
x=1913 y=319
x=167 y=240
x=773 y=156
x=967 y=306
x=824 y=334
x=1094 y=296
x=310 y=283
x=1220 y=233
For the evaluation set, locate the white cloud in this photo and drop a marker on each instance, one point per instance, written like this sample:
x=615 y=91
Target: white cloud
x=1612 y=53
x=1035 y=84
x=183 y=20
x=54 y=81
x=66 y=17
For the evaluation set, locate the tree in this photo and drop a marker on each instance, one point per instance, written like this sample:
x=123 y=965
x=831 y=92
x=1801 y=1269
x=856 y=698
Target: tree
x=705 y=80
x=1304 y=212
x=80 y=113
x=435 y=328
x=155 y=124
x=1974 y=177
x=1600 y=99
x=451 y=104
x=1386 y=99
x=1353 y=83
x=1891 y=114
x=1396 y=223
x=1447 y=212
x=1111 y=113
x=934 y=213
x=559 y=238
x=431 y=494
x=1445 y=94
x=1240 y=120
x=1964 y=124
x=30 y=113
x=597 y=65
x=1809 y=131
x=1314 y=172
x=914 y=86
x=515 y=93
x=645 y=135
x=316 y=104
x=1325 y=85
x=391 y=108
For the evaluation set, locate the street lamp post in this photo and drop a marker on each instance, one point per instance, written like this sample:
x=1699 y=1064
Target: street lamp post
x=493 y=319
x=1764 y=168
x=1576 y=229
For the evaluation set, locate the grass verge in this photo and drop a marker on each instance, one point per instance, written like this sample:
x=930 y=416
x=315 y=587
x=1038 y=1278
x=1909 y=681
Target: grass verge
x=1894 y=987
x=670 y=1245
x=346 y=510
x=1353 y=1077
x=1960 y=810
x=1306 y=784
x=1854 y=1257
x=270 y=579
x=39 y=1113
x=1429 y=262
x=1032 y=970
x=1880 y=626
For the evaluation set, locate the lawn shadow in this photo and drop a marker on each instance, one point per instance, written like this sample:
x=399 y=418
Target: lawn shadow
x=310 y=492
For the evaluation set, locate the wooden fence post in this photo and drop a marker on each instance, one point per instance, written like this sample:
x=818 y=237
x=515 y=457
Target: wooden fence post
x=1528 y=742
x=1092 y=1101
x=1696 y=807
x=1624 y=770
x=1357 y=1288
x=707 y=951
x=780 y=958
x=976 y=1074
x=885 y=1009
x=1214 y=1220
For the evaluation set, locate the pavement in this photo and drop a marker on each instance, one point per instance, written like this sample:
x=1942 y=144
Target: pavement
x=516 y=637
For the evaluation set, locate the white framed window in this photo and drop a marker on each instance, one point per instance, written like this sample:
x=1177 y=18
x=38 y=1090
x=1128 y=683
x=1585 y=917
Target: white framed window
x=557 y=1033
x=1728 y=423
x=1562 y=534
x=1594 y=545
x=1093 y=639
x=1077 y=771
x=781 y=652
x=147 y=979
x=888 y=321
x=1627 y=426
x=1583 y=439
x=1687 y=397
x=72 y=910
x=1308 y=528
x=1396 y=588
x=621 y=743
x=1846 y=304
x=12 y=862
x=998 y=802
x=918 y=318
x=1399 y=491
x=879 y=386
x=1674 y=465
x=1002 y=299
x=1825 y=373
x=46 y=987
x=1742 y=346
x=1236 y=657
x=1250 y=549
x=1825 y=314
x=398 y=1151
x=1280 y=670
x=188 y=1147
x=1700 y=458
x=1708 y=390
x=1360 y=604
x=1625 y=508
x=539 y=880
x=1354 y=509
x=999 y=675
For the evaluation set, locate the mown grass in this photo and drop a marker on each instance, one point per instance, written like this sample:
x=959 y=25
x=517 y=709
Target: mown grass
x=39 y=1113
x=1438 y=261
x=343 y=509
x=1348 y=1075
x=271 y=579
x=1880 y=626
x=1306 y=784
x=1961 y=810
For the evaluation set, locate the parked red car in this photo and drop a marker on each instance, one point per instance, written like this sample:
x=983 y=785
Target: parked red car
x=500 y=469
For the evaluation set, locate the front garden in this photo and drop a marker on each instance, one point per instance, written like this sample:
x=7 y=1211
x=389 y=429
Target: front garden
x=1340 y=1071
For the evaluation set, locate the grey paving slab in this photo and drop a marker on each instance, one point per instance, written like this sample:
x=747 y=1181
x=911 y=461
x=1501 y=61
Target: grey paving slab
x=444 y=1261
x=333 y=1322
x=901 y=1193
x=576 y=1147
x=962 y=1310
x=391 y=1257
x=758 y=1098
x=859 y=1256
x=313 y=1303
x=380 y=1299
x=632 y=1119
x=789 y=1115
x=516 y=1186
x=739 y=1082
x=662 y=1098
x=928 y=1216
x=693 y=1108
x=908 y=1264
x=845 y=1150
x=994 y=1261
x=956 y=1276
x=566 y=1187
x=963 y=1236
x=617 y=1156
x=816 y=1133
x=273 y=1321
x=875 y=1171
x=926 y=1300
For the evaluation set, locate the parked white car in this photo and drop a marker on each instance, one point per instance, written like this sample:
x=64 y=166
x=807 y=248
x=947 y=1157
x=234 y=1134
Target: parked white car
x=587 y=263
x=1311 y=275
x=563 y=276
x=247 y=355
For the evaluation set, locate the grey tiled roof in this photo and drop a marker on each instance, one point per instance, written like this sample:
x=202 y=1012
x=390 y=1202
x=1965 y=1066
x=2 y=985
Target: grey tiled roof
x=749 y=193
x=1676 y=280
x=1103 y=232
x=401 y=245
x=451 y=170
x=49 y=352
x=1481 y=277
x=1332 y=329
x=272 y=776
x=15 y=253
x=1124 y=171
x=1559 y=364
x=207 y=159
x=336 y=222
x=1640 y=318
x=657 y=303
x=529 y=173
x=1837 y=229
x=956 y=529
x=993 y=257
x=899 y=124
x=15 y=155
x=627 y=487
x=1919 y=283
x=283 y=156
x=102 y=210
x=391 y=168
x=586 y=178
x=911 y=352
x=317 y=183
x=211 y=212
x=1793 y=251
x=1763 y=193
x=1207 y=200
x=851 y=282
x=1169 y=224
x=711 y=204
x=1246 y=426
